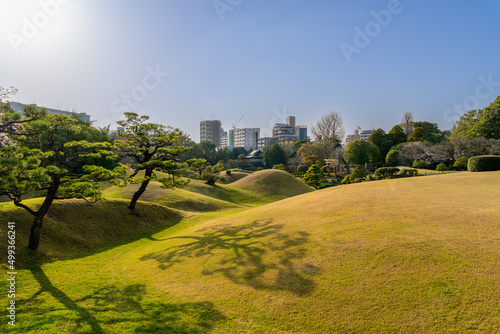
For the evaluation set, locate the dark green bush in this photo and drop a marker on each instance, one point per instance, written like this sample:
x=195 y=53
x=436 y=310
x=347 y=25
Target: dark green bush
x=419 y=164
x=461 y=162
x=442 y=168
x=228 y=172
x=358 y=173
x=385 y=172
x=482 y=163
x=408 y=172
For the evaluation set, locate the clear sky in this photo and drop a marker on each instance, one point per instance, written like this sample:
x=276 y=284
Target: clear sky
x=181 y=61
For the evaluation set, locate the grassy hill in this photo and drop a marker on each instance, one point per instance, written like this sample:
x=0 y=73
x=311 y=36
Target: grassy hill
x=274 y=182
x=403 y=255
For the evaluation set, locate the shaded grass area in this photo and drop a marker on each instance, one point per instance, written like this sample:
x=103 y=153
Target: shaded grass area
x=75 y=228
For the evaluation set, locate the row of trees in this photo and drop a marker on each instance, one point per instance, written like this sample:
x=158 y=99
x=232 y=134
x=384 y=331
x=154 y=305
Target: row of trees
x=56 y=157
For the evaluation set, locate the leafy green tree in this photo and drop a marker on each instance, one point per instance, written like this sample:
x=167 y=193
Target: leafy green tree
x=461 y=163
x=430 y=132
x=360 y=152
x=298 y=144
x=45 y=159
x=314 y=176
x=380 y=139
x=210 y=151
x=198 y=165
x=396 y=136
x=237 y=151
x=273 y=155
x=392 y=158
x=312 y=159
x=152 y=147
x=480 y=123
x=417 y=135
x=211 y=174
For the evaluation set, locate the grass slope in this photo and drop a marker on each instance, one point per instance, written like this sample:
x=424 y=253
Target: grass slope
x=75 y=228
x=274 y=182
x=402 y=255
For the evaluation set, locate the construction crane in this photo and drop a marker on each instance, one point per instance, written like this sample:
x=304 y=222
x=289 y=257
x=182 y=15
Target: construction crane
x=234 y=125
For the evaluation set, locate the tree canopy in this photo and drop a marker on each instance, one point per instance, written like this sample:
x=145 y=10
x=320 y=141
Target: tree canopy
x=360 y=152
x=45 y=158
x=273 y=155
x=480 y=123
x=152 y=146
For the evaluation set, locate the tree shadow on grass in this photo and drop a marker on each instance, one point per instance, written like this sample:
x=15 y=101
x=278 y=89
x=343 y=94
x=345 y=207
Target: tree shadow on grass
x=117 y=306
x=257 y=254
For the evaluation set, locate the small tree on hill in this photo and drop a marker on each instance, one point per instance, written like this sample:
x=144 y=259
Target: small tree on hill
x=314 y=176
x=211 y=174
x=45 y=159
x=198 y=165
x=152 y=147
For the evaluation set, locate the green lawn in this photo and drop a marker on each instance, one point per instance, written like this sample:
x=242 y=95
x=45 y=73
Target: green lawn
x=414 y=255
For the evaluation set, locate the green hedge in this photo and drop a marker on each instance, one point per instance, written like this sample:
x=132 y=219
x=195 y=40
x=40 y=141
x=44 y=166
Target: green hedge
x=483 y=163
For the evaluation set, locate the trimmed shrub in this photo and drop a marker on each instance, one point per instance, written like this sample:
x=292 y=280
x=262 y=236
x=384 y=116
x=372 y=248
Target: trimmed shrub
x=392 y=158
x=385 y=172
x=358 y=173
x=461 y=163
x=346 y=179
x=280 y=167
x=228 y=172
x=442 y=168
x=408 y=172
x=419 y=164
x=483 y=163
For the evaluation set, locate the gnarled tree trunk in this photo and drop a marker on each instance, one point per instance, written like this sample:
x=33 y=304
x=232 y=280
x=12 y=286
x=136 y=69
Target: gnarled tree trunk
x=141 y=189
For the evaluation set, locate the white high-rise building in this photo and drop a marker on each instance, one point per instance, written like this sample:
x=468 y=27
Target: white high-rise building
x=247 y=137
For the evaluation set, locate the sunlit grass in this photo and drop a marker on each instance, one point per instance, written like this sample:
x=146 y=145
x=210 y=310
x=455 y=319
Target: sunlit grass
x=403 y=255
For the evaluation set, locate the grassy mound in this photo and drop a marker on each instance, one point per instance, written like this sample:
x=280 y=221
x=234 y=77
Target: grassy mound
x=236 y=174
x=75 y=228
x=194 y=198
x=274 y=182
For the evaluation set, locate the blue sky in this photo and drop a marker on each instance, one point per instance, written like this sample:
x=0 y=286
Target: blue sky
x=181 y=61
